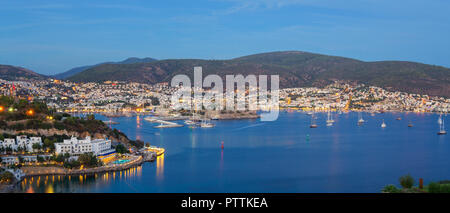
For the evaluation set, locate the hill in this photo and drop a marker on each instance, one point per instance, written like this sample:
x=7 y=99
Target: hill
x=76 y=70
x=295 y=68
x=12 y=73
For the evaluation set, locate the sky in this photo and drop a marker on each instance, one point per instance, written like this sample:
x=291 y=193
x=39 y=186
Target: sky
x=51 y=37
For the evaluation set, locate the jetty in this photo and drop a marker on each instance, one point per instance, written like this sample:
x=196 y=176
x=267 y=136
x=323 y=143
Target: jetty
x=163 y=123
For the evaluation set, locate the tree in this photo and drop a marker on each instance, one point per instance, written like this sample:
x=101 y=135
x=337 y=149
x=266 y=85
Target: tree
x=20 y=159
x=91 y=117
x=49 y=144
x=89 y=160
x=8 y=150
x=59 y=158
x=406 y=181
x=120 y=148
x=6 y=177
x=37 y=146
x=40 y=159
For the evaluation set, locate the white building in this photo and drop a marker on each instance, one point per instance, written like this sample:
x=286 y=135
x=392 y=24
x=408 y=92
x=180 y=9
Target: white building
x=74 y=146
x=21 y=141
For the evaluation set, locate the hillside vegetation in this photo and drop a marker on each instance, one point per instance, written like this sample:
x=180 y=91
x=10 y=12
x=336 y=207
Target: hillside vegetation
x=295 y=68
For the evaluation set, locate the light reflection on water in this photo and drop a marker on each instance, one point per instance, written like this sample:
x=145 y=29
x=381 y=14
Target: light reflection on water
x=77 y=183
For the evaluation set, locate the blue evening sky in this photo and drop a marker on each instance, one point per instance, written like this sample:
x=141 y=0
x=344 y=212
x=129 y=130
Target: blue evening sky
x=53 y=36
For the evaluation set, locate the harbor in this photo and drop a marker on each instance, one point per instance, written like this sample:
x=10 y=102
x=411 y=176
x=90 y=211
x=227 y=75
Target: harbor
x=328 y=153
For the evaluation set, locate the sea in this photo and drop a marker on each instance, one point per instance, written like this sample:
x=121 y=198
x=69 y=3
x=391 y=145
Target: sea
x=285 y=155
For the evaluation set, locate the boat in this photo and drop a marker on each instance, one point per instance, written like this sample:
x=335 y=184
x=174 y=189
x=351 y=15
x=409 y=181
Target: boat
x=110 y=122
x=383 y=125
x=215 y=117
x=441 y=126
x=189 y=122
x=330 y=120
x=398 y=119
x=410 y=124
x=206 y=124
x=313 y=121
x=360 y=119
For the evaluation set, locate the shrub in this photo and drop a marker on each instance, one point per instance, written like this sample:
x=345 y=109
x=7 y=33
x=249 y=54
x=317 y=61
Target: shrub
x=406 y=181
x=6 y=177
x=445 y=188
x=390 y=189
x=434 y=187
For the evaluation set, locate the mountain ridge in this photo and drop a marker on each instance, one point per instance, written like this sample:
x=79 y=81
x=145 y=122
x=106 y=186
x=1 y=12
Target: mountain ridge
x=75 y=70
x=296 y=69
x=14 y=73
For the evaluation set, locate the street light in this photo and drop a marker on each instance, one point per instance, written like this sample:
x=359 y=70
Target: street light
x=30 y=112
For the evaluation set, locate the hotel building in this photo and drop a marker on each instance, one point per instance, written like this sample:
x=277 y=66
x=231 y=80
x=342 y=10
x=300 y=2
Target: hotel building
x=74 y=146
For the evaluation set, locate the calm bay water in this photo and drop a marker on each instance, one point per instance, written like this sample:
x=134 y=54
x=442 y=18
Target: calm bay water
x=281 y=156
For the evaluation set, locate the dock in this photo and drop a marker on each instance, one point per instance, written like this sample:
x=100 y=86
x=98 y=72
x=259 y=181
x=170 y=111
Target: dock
x=163 y=123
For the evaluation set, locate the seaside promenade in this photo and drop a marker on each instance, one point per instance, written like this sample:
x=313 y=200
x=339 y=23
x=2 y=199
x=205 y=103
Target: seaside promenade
x=37 y=171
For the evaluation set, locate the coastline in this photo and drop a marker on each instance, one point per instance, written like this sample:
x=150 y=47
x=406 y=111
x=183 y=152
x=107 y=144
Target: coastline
x=40 y=171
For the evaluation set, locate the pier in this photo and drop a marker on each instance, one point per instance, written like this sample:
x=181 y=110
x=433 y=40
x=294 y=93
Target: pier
x=163 y=123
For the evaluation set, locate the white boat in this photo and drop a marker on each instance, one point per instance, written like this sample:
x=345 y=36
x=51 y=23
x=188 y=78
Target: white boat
x=360 y=119
x=441 y=126
x=383 y=125
x=313 y=121
x=189 y=122
x=330 y=120
x=206 y=124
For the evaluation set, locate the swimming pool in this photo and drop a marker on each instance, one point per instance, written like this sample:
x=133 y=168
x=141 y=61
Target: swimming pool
x=121 y=161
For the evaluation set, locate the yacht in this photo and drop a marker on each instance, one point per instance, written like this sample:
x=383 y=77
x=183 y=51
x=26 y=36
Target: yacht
x=189 y=122
x=383 y=125
x=330 y=120
x=360 y=119
x=441 y=126
x=206 y=124
x=313 y=121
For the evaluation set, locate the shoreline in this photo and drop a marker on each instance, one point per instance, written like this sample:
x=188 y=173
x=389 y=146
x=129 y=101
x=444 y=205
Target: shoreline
x=62 y=171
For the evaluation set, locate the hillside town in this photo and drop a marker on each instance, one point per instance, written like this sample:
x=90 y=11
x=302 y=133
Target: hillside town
x=123 y=98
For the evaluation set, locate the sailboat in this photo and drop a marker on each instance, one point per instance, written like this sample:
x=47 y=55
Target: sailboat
x=313 y=121
x=206 y=124
x=330 y=120
x=192 y=122
x=383 y=125
x=441 y=126
x=360 y=119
